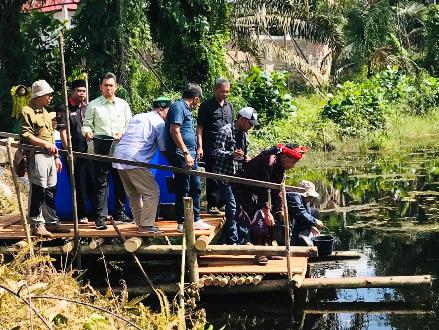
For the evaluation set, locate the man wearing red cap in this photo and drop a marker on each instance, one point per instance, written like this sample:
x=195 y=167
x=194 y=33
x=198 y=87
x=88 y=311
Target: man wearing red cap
x=252 y=203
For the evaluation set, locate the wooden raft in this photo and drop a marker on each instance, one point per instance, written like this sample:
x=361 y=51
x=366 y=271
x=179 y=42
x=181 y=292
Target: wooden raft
x=11 y=228
x=245 y=264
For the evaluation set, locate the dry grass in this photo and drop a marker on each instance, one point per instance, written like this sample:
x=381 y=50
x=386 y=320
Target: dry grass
x=37 y=277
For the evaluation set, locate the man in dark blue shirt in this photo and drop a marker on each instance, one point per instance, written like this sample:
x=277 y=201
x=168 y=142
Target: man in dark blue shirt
x=181 y=151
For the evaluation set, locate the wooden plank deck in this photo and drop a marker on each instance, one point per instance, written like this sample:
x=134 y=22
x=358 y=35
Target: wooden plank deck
x=245 y=264
x=9 y=229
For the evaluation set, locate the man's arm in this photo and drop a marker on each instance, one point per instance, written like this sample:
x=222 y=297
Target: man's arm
x=220 y=150
x=63 y=136
x=297 y=210
x=200 y=141
x=88 y=126
x=178 y=140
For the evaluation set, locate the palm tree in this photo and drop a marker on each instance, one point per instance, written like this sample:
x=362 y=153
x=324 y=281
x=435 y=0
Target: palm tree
x=254 y=21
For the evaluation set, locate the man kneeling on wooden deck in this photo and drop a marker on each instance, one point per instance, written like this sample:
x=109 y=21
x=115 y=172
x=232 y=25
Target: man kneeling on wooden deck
x=144 y=134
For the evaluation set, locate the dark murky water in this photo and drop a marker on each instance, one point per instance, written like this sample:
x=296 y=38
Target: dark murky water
x=386 y=208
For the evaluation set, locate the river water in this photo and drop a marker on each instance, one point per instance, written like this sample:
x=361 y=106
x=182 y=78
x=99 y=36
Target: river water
x=384 y=205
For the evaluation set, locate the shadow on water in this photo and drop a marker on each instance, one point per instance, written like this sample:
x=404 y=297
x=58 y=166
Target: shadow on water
x=386 y=207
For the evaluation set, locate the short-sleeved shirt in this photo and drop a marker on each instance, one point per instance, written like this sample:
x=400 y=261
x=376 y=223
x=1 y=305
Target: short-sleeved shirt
x=144 y=134
x=77 y=115
x=179 y=113
x=105 y=117
x=212 y=116
x=37 y=122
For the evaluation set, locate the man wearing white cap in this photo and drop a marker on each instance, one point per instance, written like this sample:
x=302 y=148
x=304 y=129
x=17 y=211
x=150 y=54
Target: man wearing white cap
x=301 y=215
x=230 y=152
x=36 y=129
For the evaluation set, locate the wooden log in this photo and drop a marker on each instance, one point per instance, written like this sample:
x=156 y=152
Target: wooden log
x=366 y=282
x=189 y=232
x=20 y=245
x=95 y=243
x=203 y=241
x=224 y=281
x=217 y=280
x=257 y=279
x=297 y=251
x=297 y=280
x=249 y=279
x=133 y=243
x=241 y=280
x=68 y=247
x=233 y=280
x=336 y=255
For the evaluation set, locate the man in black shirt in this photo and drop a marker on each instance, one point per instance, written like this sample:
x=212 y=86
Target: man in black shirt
x=84 y=177
x=213 y=114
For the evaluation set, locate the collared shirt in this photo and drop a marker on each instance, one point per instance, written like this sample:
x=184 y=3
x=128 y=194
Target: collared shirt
x=144 y=134
x=228 y=139
x=37 y=122
x=105 y=117
x=299 y=213
x=179 y=113
x=77 y=115
x=212 y=116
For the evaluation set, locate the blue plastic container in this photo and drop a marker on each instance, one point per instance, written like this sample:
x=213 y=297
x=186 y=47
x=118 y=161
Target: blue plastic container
x=63 y=198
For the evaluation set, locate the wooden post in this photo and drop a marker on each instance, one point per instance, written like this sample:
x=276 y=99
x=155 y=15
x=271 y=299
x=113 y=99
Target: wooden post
x=181 y=310
x=70 y=157
x=287 y=237
x=191 y=251
x=19 y=198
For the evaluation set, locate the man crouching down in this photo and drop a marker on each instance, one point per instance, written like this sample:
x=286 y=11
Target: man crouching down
x=36 y=129
x=144 y=134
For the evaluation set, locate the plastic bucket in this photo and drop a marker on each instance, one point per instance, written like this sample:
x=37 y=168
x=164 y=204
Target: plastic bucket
x=102 y=144
x=324 y=244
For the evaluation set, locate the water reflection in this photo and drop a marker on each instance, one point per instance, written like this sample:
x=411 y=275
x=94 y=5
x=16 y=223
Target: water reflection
x=385 y=206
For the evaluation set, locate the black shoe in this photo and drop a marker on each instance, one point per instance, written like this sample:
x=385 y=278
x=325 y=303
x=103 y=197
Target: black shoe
x=122 y=217
x=100 y=224
x=213 y=210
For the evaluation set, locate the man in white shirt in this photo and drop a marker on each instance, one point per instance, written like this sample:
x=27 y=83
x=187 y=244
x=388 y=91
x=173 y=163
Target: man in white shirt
x=144 y=134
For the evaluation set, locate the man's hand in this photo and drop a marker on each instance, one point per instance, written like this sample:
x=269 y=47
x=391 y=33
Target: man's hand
x=269 y=219
x=319 y=224
x=189 y=161
x=315 y=231
x=238 y=153
x=51 y=148
x=89 y=136
x=117 y=136
x=58 y=165
x=199 y=153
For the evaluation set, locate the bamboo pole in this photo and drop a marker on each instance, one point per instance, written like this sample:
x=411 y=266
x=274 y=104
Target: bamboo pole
x=241 y=280
x=217 y=280
x=224 y=281
x=95 y=243
x=249 y=279
x=181 y=310
x=203 y=241
x=70 y=157
x=257 y=279
x=190 y=237
x=287 y=238
x=20 y=245
x=336 y=255
x=133 y=243
x=209 y=280
x=392 y=307
x=297 y=251
x=233 y=280
x=68 y=247
x=19 y=197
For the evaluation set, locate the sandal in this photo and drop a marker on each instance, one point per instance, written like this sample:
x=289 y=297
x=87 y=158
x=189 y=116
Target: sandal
x=261 y=260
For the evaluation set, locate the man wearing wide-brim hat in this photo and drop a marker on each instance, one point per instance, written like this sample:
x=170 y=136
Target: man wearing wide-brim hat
x=302 y=218
x=36 y=129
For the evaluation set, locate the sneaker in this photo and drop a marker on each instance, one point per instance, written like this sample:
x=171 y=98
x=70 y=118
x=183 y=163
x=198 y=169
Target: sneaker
x=122 y=217
x=100 y=224
x=83 y=220
x=41 y=231
x=200 y=224
x=180 y=227
x=57 y=229
x=149 y=230
x=213 y=210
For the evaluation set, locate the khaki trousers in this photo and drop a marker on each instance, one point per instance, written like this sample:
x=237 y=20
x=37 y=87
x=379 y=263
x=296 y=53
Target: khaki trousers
x=143 y=193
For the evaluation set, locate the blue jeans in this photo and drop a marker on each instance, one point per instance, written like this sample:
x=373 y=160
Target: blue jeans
x=186 y=186
x=232 y=232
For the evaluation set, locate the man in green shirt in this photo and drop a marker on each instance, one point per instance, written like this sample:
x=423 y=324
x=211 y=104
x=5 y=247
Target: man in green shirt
x=36 y=129
x=108 y=116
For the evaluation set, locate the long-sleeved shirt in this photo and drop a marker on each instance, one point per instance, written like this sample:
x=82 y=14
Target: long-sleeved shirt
x=105 y=117
x=228 y=139
x=299 y=213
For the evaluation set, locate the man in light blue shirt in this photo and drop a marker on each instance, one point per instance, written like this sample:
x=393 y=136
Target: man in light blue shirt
x=107 y=116
x=144 y=134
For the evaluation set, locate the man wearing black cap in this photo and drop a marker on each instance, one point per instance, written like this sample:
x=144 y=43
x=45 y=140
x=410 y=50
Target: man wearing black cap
x=84 y=177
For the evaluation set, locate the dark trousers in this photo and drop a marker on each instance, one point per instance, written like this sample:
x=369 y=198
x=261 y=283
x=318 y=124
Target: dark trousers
x=102 y=170
x=185 y=186
x=85 y=186
x=40 y=197
x=212 y=187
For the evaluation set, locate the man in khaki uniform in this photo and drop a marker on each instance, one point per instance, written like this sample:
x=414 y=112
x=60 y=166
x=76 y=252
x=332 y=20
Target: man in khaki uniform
x=36 y=129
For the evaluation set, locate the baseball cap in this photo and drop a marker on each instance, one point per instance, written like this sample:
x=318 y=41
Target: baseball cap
x=250 y=114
